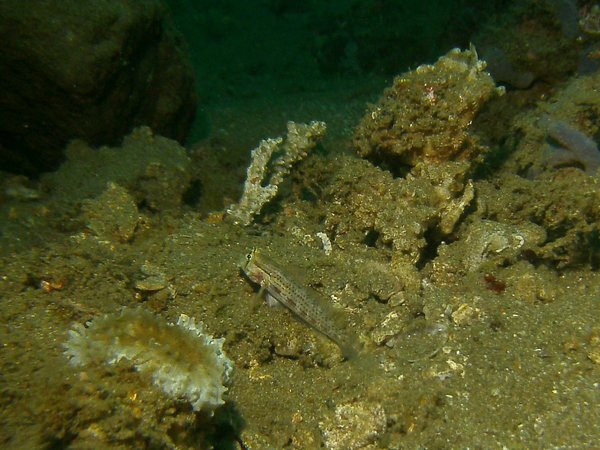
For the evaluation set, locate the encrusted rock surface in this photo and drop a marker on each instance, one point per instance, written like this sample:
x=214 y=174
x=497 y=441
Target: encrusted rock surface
x=154 y=169
x=381 y=211
x=425 y=115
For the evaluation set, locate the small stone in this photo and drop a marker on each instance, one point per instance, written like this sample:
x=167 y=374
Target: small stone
x=389 y=327
x=154 y=283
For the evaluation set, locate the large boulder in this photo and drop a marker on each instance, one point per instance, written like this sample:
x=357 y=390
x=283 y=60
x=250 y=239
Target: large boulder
x=89 y=69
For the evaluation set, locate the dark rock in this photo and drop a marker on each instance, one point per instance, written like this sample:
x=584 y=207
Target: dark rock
x=86 y=69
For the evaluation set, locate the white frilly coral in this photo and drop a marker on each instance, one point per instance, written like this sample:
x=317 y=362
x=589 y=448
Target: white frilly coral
x=182 y=360
x=265 y=173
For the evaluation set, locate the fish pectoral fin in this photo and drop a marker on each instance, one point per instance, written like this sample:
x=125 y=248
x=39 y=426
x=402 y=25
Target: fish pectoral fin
x=272 y=301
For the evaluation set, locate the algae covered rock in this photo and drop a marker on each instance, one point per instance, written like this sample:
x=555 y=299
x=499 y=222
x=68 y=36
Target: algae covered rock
x=113 y=215
x=155 y=170
x=369 y=206
x=550 y=174
x=426 y=114
x=565 y=203
x=486 y=245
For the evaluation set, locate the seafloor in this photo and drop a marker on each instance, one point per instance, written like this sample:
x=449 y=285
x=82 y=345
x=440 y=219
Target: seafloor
x=469 y=277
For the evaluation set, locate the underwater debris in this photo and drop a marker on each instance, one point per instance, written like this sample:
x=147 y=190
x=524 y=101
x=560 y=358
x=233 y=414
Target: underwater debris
x=281 y=289
x=325 y=242
x=265 y=174
x=182 y=360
